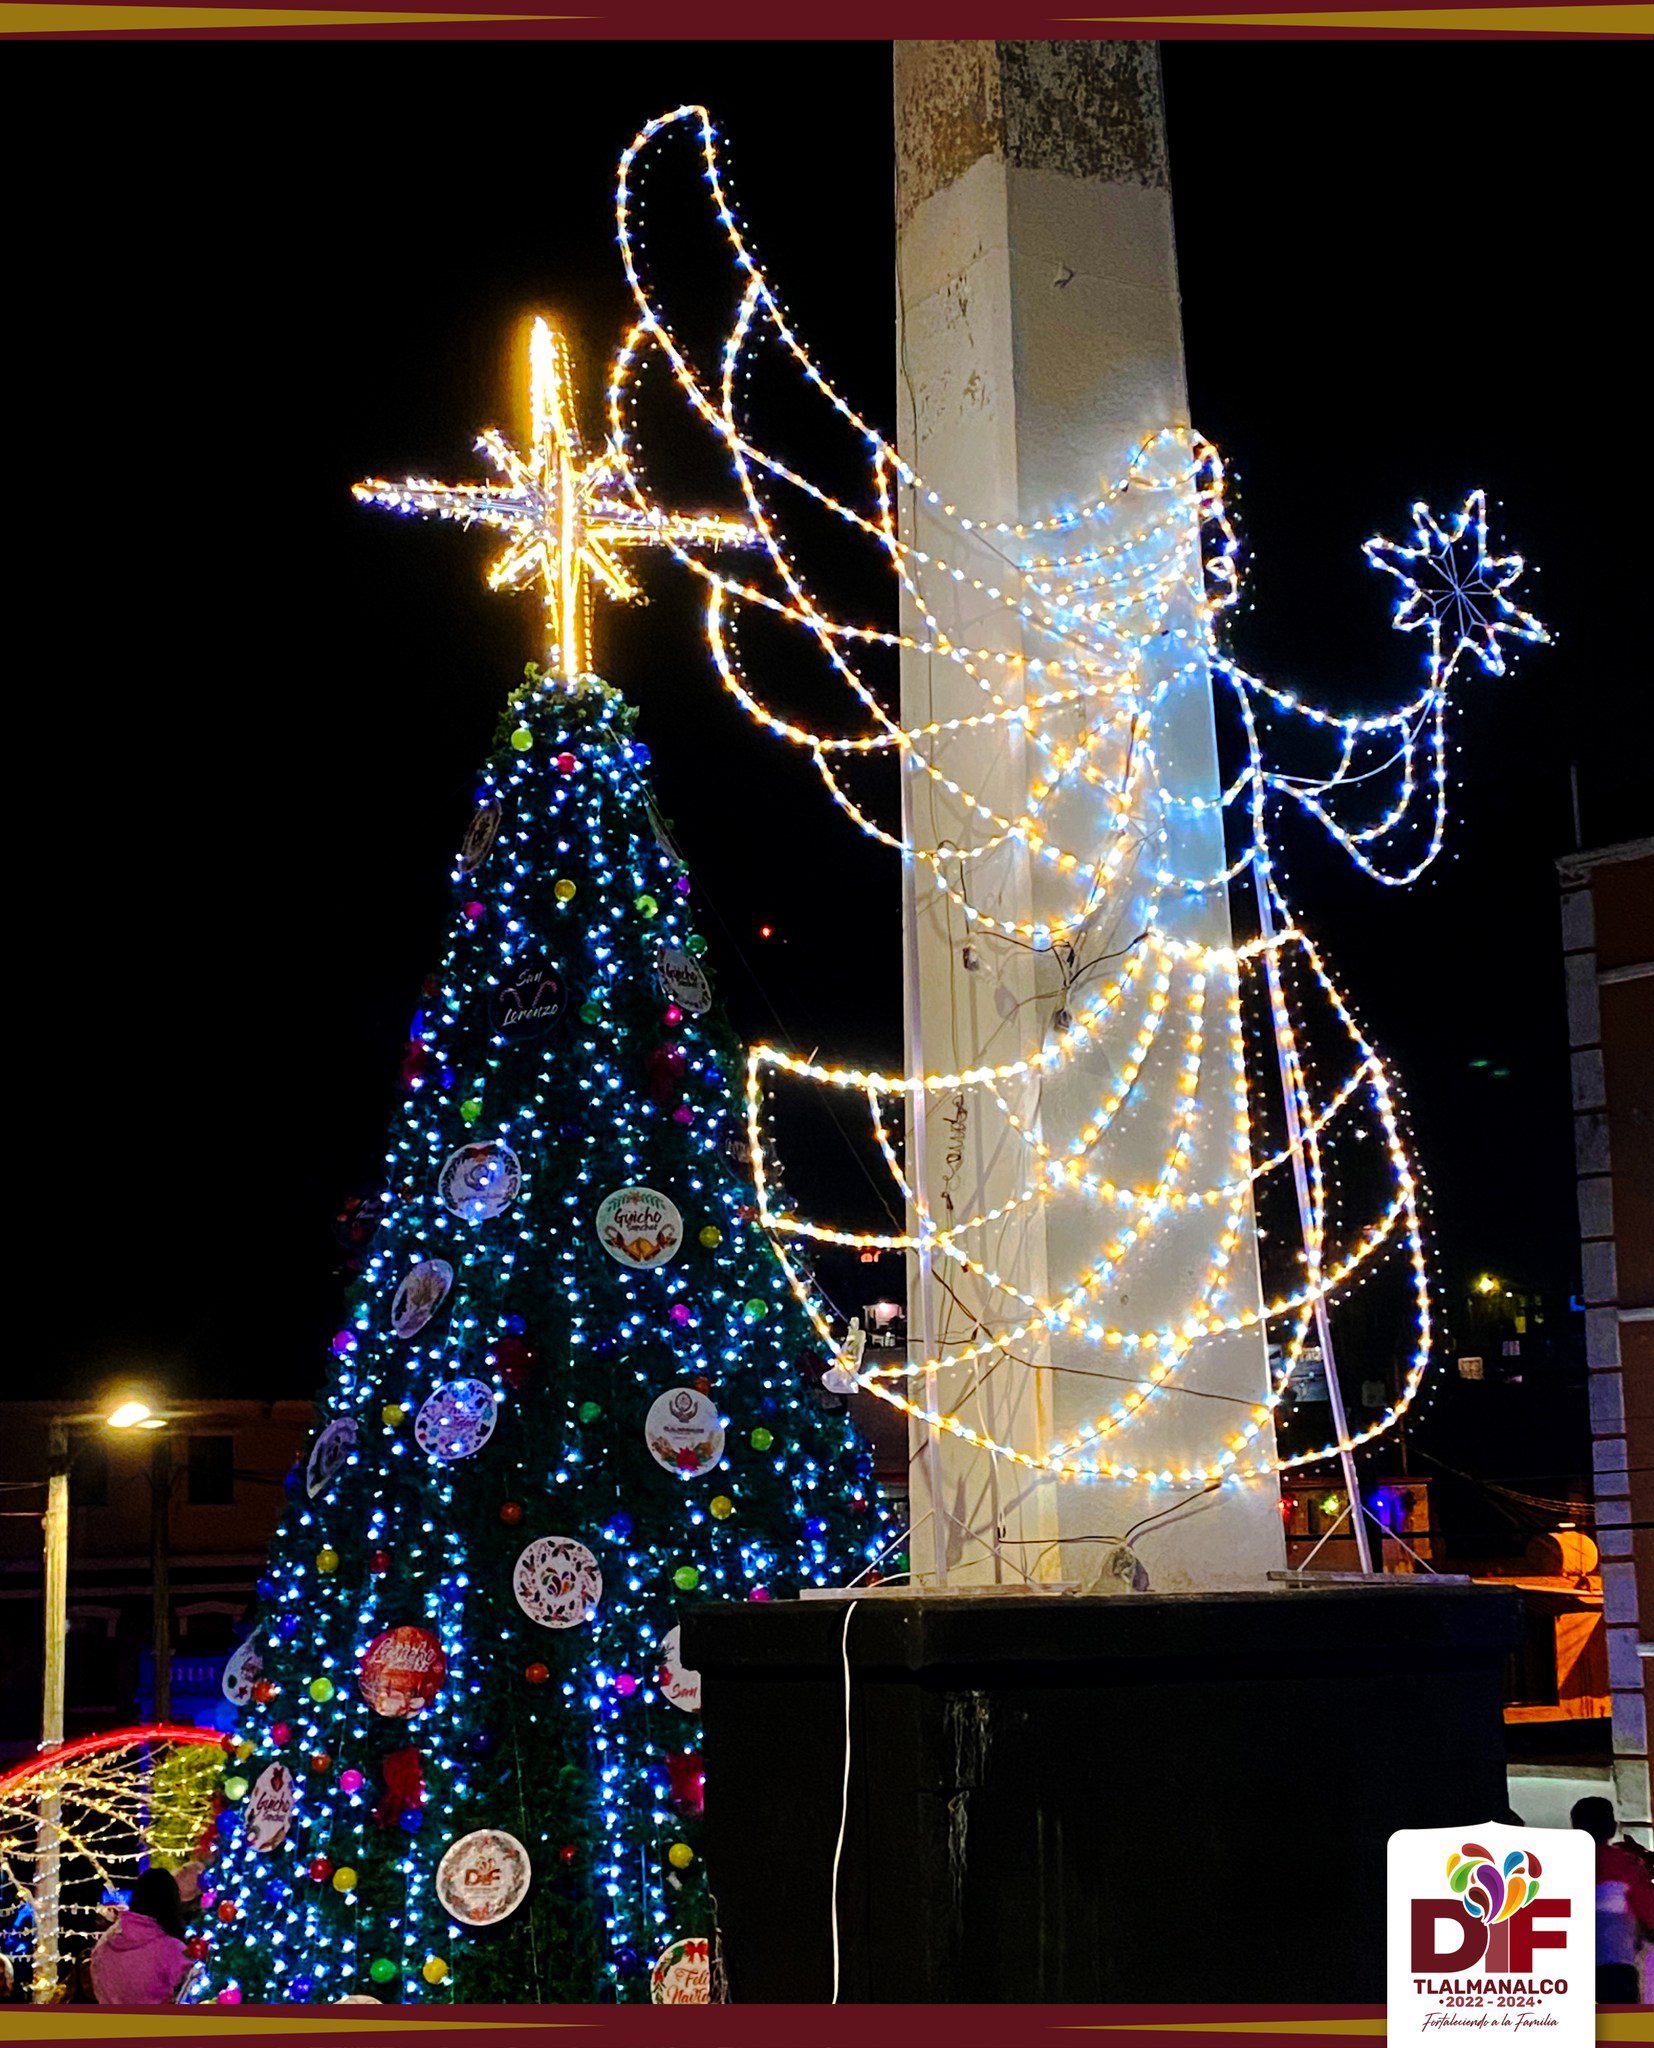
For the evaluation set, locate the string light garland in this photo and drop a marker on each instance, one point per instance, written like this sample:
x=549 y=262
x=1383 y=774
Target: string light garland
x=1101 y=614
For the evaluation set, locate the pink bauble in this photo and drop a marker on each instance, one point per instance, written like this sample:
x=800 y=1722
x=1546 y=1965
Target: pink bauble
x=625 y=1685
x=673 y=1014
x=683 y=1114
x=759 y=1593
x=476 y=912
x=344 y=1343
x=682 y=885
x=680 y=1313
x=350 y=1781
x=566 y=764
x=280 y=1733
x=230 y=1995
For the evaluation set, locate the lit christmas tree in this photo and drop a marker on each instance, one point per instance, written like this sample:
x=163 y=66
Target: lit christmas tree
x=573 y=1392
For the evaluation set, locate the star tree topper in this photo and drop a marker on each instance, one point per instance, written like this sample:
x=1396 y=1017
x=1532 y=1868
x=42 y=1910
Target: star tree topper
x=566 y=517
x=1454 y=588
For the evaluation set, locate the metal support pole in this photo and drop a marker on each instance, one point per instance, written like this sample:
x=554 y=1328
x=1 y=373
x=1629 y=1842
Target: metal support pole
x=918 y=1167
x=49 y=1840
x=160 y=1544
x=1300 y=1181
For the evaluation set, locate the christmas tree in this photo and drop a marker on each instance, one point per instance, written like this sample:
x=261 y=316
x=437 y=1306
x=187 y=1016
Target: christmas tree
x=572 y=1393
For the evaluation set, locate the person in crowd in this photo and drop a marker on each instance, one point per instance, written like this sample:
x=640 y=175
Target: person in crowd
x=142 y=1960
x=1625 y=1904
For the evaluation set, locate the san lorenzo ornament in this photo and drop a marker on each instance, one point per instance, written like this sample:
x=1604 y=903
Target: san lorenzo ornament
x=402 y=1671
x=683 y=1432
x=557 y=1582
x=328 y=1454
x=683 y=1973
x=270 y=1808
x=478 y=1181
x=639 y=1227
x=242 y=1671
x=679 y=1686
x=457 y=1420
x=529 y=1000
x=423 y=1290
x=683 y=980
x=480 y=835
x=483 y=1877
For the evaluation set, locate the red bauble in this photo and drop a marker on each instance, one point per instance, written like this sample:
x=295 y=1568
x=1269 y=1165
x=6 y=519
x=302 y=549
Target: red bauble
x=686 y=1782
x=321 y=1868
x=703 y=1385
x=321 y=1761
x=381 y=1563
x=415 y=1061
x=665 y=1068
x=566 y=764
x=264 y=1691
x=515 y=1360
x=536 y=1674
x=228 y=1910
x=511 y=1512
x=568 y=1853
x=196 y=1946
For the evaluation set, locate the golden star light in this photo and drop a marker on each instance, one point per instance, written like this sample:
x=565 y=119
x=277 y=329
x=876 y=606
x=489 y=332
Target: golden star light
x=567 y=517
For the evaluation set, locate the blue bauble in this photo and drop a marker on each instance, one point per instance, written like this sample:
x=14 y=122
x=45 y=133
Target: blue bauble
x=482 y=1742
x=768 y=1405
x=266 y=1589
x=815 y=1526
x=304 y=1989
x=620 y=1527
x=288 y=1625
x=226 y=1824
x=515 y=1325
x=640 y=753
x=626 y=1960
x=412 y=1820
x=274 y=1892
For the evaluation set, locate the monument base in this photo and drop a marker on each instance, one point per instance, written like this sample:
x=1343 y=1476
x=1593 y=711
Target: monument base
x=1146 y=1798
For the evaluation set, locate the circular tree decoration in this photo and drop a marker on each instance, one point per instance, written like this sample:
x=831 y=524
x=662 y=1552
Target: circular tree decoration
x=328 y=1455
x=679 y=1686
x=423 y=1290
x=557 y=1582
x=480 y=834
x=478 y=1181
x=242 y=1670
x=270 y=1808
x=402 y=1671
x=531 y=997
x=457 y=1420
x=683 y=1432
x=683 y=980
x=639 y=1227
x=483 y=1877
x=683 y=1973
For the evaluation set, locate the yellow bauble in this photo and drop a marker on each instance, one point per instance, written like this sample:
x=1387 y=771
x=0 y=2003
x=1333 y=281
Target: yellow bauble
x=434 y=1970
x=711 y=1236
x=564 y=891
x=344 y=1879
x=243 y=1748
x=393 y=1415
x=327 y=1560
x=680 y=1856
x=722 y=1507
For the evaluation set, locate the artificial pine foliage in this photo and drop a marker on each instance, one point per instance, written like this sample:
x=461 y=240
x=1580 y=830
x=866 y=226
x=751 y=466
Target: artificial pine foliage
x=552 y=1038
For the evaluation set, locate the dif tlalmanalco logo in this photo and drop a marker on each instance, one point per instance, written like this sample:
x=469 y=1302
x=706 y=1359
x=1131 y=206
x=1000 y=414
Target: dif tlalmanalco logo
x=1492 y=1934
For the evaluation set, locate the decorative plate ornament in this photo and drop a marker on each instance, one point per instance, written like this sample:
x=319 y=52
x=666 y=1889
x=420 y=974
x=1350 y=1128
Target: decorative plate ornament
x=480 y=835
x=679 y=1686
x=639 y=1227
x=683 y=1973
x=270 y=1808
x=457 y=1420
x=478 y=1181
x=402 y=1671
x=557 y=1582
x=531 y=997
x=328 y=1454
x=483 y=1877
x=242 y=1670
x=683 y=1432
x=423 y=1290
x=683 y=980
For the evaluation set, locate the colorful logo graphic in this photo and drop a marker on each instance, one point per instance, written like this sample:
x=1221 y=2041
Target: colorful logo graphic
x=1492 y=1888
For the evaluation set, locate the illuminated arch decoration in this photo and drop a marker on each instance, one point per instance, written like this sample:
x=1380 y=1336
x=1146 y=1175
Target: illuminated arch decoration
x=119 y=1802
x=1072 y=606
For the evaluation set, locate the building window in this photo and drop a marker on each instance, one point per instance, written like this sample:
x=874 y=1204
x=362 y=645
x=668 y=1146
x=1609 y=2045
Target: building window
x=211 y=1471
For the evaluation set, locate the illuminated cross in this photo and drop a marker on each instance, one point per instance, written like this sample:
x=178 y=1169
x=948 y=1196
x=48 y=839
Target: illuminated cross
x=566 y=517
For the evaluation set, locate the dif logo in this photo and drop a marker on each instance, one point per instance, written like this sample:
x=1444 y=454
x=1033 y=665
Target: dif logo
x=1491 y=1932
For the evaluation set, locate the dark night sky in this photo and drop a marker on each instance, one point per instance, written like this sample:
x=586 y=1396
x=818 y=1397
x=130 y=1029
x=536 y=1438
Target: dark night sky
x=250 y=277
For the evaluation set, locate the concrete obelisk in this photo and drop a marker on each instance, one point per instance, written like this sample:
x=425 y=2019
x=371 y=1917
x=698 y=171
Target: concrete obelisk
x=1040 y=345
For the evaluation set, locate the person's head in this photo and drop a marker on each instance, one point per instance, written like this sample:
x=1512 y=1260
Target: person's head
x=155 y=1895
x=1596 y=1817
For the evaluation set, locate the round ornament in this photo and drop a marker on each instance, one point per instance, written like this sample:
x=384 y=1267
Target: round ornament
x=480 y=835
x=531 y=996
x=270 y=1810
x=557 y=1582
x=683 y=1974
x=457 y=1420
x=328 y=1454
x=402 y=1671
x=683 y=1432
x=478 y=1181
x=678 y=1685
x=423 y=1290
x=483 y=1877
x=241 y=1673
x=683 y=980
x=639 y=1227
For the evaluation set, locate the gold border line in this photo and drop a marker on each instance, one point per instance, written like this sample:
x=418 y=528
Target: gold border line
x=37 y=17
x=23 y=2024
x=1613 y=17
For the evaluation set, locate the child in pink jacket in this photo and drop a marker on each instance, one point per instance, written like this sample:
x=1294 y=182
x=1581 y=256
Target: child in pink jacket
x=142 y=1960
